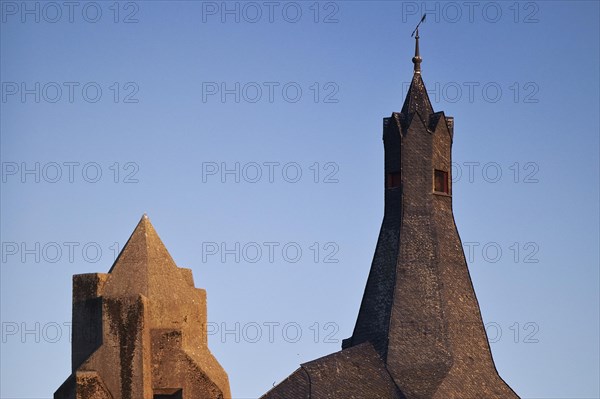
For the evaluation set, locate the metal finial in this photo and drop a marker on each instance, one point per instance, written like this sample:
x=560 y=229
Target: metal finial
x=417 y=58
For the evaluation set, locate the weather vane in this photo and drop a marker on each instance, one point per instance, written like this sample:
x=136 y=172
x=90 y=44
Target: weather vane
x=419 y=24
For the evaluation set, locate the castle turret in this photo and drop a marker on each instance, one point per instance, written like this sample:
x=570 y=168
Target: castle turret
x=139 y=331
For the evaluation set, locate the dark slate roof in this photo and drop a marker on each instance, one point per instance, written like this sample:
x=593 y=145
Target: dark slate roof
x=433 y=120
x=417 y=99
x=440 y=117
x=353 y=373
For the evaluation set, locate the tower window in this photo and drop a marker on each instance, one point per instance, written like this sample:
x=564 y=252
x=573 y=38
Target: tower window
x=392 y=180
x=168 y=394
x=440 y=182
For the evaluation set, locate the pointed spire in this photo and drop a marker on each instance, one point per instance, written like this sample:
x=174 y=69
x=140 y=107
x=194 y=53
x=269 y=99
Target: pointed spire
x=137 y=239
x=417 y=99
x=143 y=265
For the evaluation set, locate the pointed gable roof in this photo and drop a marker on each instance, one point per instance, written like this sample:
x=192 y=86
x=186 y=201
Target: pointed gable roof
x=417 y=99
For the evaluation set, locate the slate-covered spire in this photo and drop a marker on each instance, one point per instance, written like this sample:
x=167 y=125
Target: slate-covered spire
x=419 y=332
x=417 y=100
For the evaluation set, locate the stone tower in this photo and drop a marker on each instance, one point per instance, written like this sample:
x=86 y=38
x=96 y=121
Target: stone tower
x=139 y=331
x=419 y=332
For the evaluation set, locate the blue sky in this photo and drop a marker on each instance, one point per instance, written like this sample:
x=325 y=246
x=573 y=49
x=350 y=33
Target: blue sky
x=117 y=109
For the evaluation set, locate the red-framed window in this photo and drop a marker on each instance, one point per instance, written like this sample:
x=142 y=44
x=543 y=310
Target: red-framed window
x=392 y=180
x=440 y=181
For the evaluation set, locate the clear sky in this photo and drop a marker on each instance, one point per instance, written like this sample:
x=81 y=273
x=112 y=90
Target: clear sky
x=250 y=133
